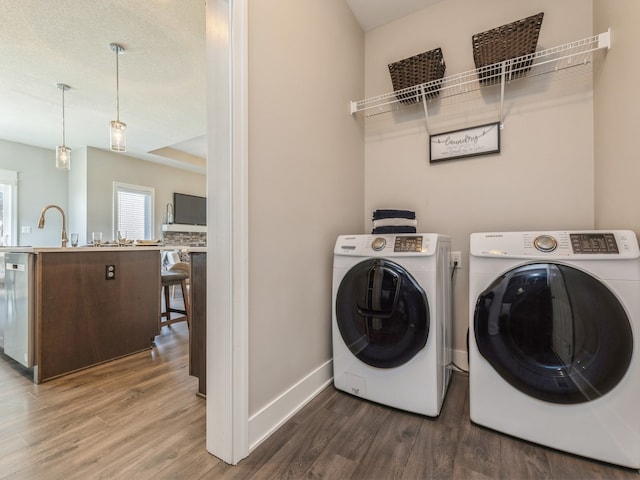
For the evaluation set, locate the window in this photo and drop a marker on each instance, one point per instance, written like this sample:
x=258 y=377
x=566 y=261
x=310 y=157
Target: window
x=133 y=211
x=8 y=211
x=8 y=207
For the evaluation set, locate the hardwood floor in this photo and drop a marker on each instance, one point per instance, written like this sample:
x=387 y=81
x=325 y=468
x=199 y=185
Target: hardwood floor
x=338 y=436
x=139 y=418
x=131 y=418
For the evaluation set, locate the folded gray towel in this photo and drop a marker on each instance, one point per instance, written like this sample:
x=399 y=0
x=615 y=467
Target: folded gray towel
x=394 y=229
x=389 y=213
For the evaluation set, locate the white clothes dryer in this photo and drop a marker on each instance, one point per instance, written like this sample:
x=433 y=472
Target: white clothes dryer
x=391 y=322
x=553 y=351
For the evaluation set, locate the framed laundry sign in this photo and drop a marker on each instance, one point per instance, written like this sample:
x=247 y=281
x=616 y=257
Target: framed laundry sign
x=467 y=142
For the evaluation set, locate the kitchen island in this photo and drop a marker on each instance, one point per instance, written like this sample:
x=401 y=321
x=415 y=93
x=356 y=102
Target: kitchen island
x=198 y=332
x=92 y=305
x=87 y=305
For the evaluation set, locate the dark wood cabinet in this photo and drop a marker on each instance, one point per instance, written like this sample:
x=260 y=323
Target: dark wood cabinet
x=85 y=316
x=198 y=331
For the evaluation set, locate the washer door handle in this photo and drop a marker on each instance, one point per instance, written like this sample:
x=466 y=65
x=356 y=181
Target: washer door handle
x=377 y=291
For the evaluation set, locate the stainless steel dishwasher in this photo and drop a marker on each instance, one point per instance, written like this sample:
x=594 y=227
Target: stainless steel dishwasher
x=19 y=329
x=3 y=310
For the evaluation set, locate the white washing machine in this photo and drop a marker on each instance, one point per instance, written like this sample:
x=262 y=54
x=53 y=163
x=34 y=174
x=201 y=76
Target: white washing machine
x=553 y=351
x=392 y=319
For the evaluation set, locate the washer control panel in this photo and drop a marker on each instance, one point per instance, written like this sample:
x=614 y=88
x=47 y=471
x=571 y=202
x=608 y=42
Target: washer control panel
x=594 y=243
x=391 y=245
x=408 y=244
x=545 y=243
x=378 y=244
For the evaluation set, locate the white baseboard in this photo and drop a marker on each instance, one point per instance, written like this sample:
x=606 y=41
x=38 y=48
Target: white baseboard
x=271 y=417
x=461 y=359
x=266 y=421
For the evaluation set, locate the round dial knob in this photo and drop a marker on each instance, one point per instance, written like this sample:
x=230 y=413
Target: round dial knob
x=378 y=244
x=545 y=243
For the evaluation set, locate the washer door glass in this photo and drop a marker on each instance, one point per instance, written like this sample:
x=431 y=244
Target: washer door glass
x=382 y=313
x=554 y=333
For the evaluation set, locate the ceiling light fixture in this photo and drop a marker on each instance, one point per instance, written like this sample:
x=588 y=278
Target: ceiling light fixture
x=118 y=128
x=63 y=153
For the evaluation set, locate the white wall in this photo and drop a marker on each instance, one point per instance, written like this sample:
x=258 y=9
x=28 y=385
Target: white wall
x=543 y=177
x=617 y=116
x=104 y=168
x=85 y=192
x=306 y=186
x=39 y=184
x=78 y=191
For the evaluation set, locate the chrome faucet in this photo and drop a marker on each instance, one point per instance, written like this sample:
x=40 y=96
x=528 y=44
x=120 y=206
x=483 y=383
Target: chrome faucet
x=64 y=222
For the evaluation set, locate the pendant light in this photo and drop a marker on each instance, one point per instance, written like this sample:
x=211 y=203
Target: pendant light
x=63 y=153
x=118 y=128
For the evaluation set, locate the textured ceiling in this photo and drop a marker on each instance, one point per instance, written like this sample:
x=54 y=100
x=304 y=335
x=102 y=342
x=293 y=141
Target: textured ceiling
x=375 y=13
x=162 y=72
x=162 y=75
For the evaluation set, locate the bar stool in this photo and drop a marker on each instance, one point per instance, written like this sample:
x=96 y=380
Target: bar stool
x=169 y=279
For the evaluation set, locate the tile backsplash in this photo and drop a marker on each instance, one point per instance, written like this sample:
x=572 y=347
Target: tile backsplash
x=190 y=239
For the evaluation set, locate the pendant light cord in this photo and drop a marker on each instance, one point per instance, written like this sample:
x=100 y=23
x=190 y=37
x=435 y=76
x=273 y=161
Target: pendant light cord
x=117 y=50
x=63 y=87
x=63 y=139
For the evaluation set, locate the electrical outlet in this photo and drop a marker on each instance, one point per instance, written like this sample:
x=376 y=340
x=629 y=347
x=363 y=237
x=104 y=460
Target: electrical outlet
x=456 y=259
x=110 y=272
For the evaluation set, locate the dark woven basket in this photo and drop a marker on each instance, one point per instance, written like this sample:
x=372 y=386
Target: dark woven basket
x=422 y=68
x=503 y=43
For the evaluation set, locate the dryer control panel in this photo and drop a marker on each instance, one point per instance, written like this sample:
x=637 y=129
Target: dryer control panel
x=557 y=244
x=583 y=243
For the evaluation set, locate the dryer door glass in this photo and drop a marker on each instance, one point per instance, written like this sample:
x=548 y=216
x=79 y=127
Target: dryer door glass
x=382 y=313
x=554 y=332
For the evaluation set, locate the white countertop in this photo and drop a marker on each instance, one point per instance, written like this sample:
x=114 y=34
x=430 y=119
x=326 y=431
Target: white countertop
x=16 y=249
x=108 y=248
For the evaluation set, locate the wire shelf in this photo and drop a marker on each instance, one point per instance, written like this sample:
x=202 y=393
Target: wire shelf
x=547 y=61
